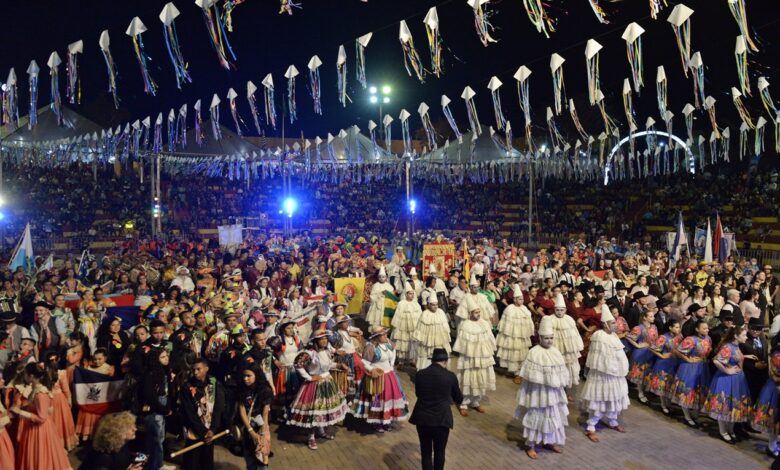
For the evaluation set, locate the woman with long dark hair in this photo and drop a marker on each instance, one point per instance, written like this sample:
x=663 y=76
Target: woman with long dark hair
x=114 y=340
x=254 y=406
x=155 y=404
x=658 y=380
x=38 y=445
x=692 y=379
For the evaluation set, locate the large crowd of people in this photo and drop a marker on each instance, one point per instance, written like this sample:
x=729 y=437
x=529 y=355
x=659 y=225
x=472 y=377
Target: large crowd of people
x=236 y=340
x=105 y=205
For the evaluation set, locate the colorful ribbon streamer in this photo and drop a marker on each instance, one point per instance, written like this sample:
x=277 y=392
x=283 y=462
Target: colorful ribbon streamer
x=10 y=102
x=656 y=6
x=576 y=120
x=270 y=103
x=286 y=6
x=150 y=87
x=157 y=142
x=175 y=54
x=766 y=98
x=73 y=90
x=341 y=75
x=250 y=97
x=314 y=84
x=412 y=60
x=435 y=41
x=598 y=11
x=110 y=66
x=181 y=126
x=661 y=90
x=740 y=54
x=628 y=106
x=216 y=129
x=172 y=131
x=217 y=34
x=200 y=136
x=697 y=71
x=539 y=17
x=237 y=121
x=481 y=22
x=737 y=8
x=290 y=75
x=56 y=99
x=445 y=106
x=741 y=109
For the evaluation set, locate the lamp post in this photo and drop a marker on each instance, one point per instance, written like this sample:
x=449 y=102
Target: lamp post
x=380 y=96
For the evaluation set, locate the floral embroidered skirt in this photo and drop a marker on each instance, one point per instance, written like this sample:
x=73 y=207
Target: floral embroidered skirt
x=659 y=379
x=729 y=398
x=765 y=417
x=691 y=384
x=318 y=404
x=641 y=360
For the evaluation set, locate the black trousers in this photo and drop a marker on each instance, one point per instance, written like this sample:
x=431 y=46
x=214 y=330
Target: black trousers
x=201 y=458
x=433 y=444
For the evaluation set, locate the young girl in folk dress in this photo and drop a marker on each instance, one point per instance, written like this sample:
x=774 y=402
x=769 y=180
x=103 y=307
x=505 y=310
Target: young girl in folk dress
x=765 y=416
x=728 y=401
x=39 y=446
x=87 y=422
x=658 y=380
x=692 y=380
x=641 y=338
x=61 y=400
x=6 y=447
x=77 y=351
x=381 y=405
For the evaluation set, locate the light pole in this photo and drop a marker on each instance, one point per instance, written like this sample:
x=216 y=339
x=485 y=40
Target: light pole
x=380 y=96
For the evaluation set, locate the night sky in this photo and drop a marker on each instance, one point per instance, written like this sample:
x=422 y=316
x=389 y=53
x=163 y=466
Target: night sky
x=265 y=41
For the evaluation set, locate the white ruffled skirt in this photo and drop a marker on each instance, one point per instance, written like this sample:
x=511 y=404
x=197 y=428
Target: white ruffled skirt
x=512 y=351
x=543 y=413
x=604 y=393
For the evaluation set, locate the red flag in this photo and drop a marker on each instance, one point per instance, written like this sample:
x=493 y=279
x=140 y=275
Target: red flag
x=717 y=237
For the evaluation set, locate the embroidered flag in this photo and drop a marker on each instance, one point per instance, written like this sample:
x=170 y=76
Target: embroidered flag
x=98 y=393
x=391 y=302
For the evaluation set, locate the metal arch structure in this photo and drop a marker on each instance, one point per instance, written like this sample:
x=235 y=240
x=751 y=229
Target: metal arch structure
x=692 y=166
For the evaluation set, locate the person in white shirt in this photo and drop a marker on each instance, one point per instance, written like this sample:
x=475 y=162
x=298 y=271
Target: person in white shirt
x=183 y=280
x=456 y=294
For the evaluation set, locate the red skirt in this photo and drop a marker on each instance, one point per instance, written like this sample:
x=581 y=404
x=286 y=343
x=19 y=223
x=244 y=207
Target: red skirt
x=6 y=450
x=41 y=448
x=63 y=421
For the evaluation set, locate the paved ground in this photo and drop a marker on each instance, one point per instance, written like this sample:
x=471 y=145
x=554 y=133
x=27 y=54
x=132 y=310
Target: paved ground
x=493 y=441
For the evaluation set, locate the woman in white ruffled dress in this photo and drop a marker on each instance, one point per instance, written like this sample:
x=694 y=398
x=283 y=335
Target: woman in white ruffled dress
x=514 y=335
x=476 y=345
x=542 y=406
x=605 y=393
x=407 y=314
x=568 y=341
x=433 y=331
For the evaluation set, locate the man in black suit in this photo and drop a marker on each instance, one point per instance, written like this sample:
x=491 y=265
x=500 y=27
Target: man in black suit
x=634 y=314
x=435 y=387
x=663 y=315
x=756 y=351
x=621 y=299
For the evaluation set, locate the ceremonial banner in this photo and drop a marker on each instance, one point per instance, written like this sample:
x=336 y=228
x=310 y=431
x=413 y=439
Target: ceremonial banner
x=441 y=255
x=391 y=302
x=350 y=290
x=700 y=241
x=98 y=393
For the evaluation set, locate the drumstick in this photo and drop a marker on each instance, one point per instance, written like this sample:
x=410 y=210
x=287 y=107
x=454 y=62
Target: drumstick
x=198 y=444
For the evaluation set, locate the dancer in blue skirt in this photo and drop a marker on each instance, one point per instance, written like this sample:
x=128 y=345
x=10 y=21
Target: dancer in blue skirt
x=692 y=379
x=660 y=378
x=728 y=400
x=765 y=417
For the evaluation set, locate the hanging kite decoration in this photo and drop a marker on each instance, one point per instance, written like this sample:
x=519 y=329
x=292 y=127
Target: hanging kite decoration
x=633 y=37
x=387 y=122
x=10 y=101
x=105 y=43
x=181 y=125
x=714 y=145
x=697 y=74
x=430 y=131
x=539 y=17
x=559 y=90
x=661 y=89
x=372 y=133
x=592 y=49
x=556 y=139
x=168 y=16
x=740 y=53
x=739 y=13
x=229 y=6
x=412 y=60
x=73 y=90
x=290 y=75
x=360 y=58
x=725 y=145
x=576 y=120
x=736 y=95
x=216 y=129
x=251 y=88
x=766 y=98
x=709 y=106
x=135 y=30
x=744 y=130
x=405 y=135
x=157 y=141
x=609 y=124
x=656 y=6
x=445 y=107
x=270 y=103
x=680 y=19
x=171 y=131
x=598 y=11
x=286 y=6
x=435 y=42
x=314 y=83
x=494 y=85
x=341 y=71
x=481 y=21
x=628 y=105
x=217 y=33
x=56 y=100
x=688 y=113
x=200 y=137
x=471 y=110
x=523 y=94
x=759 y=142
x=237 y=121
